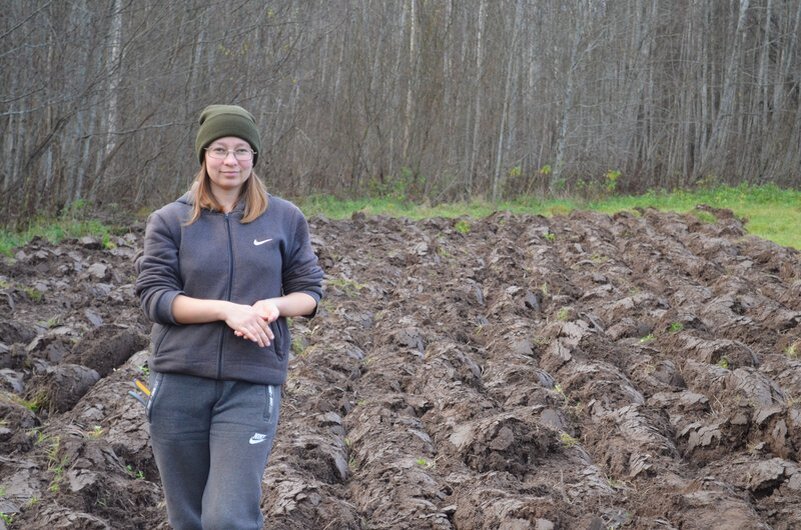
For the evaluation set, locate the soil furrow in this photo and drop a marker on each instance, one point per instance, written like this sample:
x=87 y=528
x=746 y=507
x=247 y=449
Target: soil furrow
x=638 y=370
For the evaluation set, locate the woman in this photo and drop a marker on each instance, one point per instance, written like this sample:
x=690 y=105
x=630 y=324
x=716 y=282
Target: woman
x=222 y=269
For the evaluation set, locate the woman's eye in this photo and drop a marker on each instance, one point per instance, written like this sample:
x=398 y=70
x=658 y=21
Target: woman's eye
x=242 y=152
x=219 y=151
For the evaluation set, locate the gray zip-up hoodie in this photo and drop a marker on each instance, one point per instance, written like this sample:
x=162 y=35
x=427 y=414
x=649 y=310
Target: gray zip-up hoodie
x=218 y=257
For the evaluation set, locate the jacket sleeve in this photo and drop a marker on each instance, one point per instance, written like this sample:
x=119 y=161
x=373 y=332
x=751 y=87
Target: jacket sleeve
x=301 y=272
x=158 y=279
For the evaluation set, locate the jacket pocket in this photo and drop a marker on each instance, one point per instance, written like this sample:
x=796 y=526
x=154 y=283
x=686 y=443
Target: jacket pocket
x=281 y=333
x=159 y=336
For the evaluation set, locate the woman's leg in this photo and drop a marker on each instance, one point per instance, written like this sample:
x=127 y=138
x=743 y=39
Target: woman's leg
x=179 y=411
x=243 y=427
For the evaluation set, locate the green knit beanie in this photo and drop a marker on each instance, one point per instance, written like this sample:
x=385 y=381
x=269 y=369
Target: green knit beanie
x=217 y=121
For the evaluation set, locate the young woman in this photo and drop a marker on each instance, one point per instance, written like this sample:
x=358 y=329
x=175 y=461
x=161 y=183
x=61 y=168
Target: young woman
x=222 y=269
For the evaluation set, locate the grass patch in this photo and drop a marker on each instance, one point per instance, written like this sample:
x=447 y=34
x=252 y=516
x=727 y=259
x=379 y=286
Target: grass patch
x=704 y=217
x=568 y=440
x=33 y=404
x=351 y=288
x=422 y=462
x=675 y=327
x=298 y=346
x=34 y=295
x=771 y=212
x=55 y=231
x=462 y=226
x=76 y=220
x=56 y=463
x=561 y=391
x=138 y=474
x=96 y=432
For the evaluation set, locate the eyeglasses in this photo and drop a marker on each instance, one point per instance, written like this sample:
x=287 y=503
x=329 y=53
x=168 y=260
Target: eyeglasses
x=242 y=154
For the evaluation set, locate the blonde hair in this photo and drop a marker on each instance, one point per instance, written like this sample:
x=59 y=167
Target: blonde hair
x=253 y=192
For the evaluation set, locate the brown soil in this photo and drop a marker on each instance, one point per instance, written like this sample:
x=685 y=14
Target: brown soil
x=580 y=372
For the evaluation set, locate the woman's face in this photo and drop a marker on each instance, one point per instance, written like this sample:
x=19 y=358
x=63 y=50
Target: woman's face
x=228 y=173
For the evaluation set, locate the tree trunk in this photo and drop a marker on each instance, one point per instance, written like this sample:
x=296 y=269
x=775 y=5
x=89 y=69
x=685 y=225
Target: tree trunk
x=721 y=130
x=497 y=176
x=567 y=102
x=473 y=152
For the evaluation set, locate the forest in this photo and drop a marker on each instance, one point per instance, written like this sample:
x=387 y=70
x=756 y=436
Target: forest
x=434 y=100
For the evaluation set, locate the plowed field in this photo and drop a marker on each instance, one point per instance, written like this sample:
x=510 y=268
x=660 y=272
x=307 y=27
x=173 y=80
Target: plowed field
x=515 y=372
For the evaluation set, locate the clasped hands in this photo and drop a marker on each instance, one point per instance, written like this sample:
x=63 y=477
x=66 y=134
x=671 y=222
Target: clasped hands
x=252 y=322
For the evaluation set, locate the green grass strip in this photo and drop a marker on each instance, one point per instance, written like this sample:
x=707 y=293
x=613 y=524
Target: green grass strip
x=770 y=212
x=55 y=232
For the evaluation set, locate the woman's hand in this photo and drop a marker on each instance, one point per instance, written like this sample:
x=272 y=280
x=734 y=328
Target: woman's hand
x=267 y=309
x=250 y=323
x=268 y=312
x=291 y=305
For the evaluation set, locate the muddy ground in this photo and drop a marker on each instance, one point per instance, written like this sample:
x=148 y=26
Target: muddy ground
x=516 y=372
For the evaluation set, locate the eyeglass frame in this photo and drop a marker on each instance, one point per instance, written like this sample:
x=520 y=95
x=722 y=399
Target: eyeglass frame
x=228 y=151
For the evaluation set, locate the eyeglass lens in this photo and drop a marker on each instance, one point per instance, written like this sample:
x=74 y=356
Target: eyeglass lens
x=240 y=154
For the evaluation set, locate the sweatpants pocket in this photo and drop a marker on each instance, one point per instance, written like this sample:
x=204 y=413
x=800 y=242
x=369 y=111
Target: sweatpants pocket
x=271 y=401
x=156 y=379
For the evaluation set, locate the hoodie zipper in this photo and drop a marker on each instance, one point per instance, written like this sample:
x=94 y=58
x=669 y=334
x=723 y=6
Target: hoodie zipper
x=228 y=293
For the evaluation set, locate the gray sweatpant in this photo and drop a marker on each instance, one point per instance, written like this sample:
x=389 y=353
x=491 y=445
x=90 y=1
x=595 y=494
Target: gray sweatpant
x=211 y=440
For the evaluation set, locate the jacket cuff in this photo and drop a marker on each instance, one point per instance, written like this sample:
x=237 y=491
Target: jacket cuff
x=317 y=298
x=164 y=307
